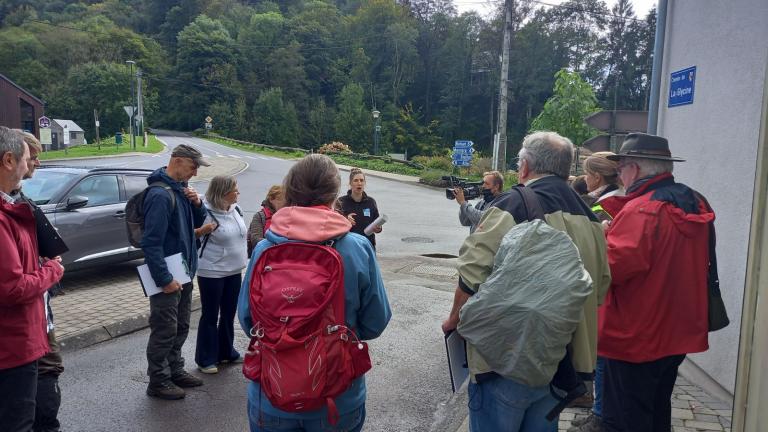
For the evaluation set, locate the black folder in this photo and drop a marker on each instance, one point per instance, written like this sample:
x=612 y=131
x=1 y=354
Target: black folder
x=49 y=242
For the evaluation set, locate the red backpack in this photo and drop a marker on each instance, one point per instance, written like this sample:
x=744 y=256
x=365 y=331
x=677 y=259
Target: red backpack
x=301 y=351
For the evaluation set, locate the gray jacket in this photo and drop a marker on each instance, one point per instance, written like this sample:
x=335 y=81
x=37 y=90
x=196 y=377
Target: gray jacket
x=470 y=215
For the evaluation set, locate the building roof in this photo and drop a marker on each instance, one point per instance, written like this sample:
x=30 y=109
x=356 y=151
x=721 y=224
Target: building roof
x=68 y=125
x=22 y=89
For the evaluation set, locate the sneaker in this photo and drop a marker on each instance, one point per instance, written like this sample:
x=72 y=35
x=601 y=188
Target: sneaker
x=185 y=379
x=165 y=390
x=591 y=423
x=212 y=369
x=238 y=359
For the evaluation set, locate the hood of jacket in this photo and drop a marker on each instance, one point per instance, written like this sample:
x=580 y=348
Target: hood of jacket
x=160 y=174
x=684 y=208
x=310 y=224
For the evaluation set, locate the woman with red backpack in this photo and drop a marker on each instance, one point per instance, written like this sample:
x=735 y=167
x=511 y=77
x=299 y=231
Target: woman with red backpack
x=263 y=218
x=311 y=295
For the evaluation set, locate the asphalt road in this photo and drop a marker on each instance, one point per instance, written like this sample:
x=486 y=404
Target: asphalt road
x=103 y=385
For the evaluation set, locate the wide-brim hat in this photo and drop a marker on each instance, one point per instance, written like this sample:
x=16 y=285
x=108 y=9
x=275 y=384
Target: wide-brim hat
x=645 y=146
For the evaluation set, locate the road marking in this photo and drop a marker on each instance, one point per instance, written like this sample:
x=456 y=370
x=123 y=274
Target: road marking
x=235 y=156
x=220 y=155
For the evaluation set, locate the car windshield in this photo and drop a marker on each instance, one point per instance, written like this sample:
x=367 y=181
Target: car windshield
x=46 y=184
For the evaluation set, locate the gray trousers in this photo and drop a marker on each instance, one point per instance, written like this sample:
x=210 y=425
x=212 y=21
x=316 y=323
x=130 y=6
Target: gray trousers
x=169 y=326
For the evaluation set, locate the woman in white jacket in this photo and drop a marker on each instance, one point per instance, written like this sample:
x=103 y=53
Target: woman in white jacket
x=223 y=256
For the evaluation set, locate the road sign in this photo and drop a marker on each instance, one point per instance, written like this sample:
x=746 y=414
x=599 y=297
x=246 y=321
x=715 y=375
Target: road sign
x=460 y=163
x=626 y=121
x=45 y=136
x=208 y=119
x=44 y=122
x=681 y=86
x=462 y=144
x=208 y=125
x=128 y=110
x=459 y=157
x=467 y=150
x=598 y=143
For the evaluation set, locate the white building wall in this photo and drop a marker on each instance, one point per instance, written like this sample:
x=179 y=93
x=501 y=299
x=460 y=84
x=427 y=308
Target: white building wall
x=727 y=41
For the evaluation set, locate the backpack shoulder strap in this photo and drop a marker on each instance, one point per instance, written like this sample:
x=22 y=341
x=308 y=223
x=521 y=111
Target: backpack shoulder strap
x=167 y=188
x=714 y=279
x=531 y=202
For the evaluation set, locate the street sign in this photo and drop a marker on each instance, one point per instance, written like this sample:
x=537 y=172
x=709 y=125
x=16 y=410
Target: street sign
x=208 y=125
x=44 y=122
x=208 y=119
x=467 y=150
x=460 y=163
x=681 y=86
x=598 y=143
x=462 y=144
x=128 y=110
x=65 y=135
x=465 y=158
x=97 y=123
x=45 y=136
x=626 y=121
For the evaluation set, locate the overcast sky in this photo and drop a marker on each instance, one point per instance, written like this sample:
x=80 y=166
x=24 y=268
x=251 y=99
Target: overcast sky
x=641 y=7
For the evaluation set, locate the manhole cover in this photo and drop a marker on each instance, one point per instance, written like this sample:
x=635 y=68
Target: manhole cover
x=418 y=240
x=434 y=270
x=439 y=255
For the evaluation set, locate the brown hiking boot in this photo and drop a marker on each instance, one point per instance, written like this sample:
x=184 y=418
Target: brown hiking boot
x=591 y=423
x=185 y=379
x=165 y=390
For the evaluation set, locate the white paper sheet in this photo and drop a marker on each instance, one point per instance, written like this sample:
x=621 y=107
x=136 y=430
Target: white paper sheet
x=176 y=265
x=456 y=349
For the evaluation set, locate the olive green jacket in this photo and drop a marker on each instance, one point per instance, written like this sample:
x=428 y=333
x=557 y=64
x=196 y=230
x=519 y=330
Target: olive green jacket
x=565 y=211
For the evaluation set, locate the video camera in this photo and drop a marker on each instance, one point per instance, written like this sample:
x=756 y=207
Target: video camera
x=471 y=190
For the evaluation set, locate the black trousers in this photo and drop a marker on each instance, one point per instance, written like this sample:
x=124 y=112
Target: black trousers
x=637 y=396
x=49 y=367
x=216 y=331
x=18 y=389
x=169 y=326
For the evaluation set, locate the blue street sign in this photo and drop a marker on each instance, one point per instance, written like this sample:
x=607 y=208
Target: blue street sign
x=462 y=144
x=460 y=163
x=467 y=151
x=681 y=87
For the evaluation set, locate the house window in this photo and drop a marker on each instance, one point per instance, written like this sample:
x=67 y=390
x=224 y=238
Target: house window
x=73 y=135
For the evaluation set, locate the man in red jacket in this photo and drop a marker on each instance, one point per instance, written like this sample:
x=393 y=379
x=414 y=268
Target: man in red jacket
x=23 y=335
x=656 y=308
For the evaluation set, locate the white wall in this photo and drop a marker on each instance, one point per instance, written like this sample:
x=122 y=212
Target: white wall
x=727 y=41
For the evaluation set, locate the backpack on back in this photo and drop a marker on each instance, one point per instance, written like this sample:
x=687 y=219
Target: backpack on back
x=134 y=213
x=301 y=351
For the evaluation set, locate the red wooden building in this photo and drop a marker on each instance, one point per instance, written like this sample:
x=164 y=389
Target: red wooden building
x=19 y=109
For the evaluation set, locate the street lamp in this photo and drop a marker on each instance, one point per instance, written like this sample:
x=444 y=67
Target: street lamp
x=376 y=131
x=131 y=114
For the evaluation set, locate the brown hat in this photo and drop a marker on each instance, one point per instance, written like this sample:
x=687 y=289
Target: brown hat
x=641 y=145
x=185 y=151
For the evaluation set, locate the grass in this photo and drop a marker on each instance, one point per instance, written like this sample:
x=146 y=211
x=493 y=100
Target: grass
x=385 y=165
x=108 y=148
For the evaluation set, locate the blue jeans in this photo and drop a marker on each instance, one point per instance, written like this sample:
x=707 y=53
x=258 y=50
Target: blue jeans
x=216 y=331
x=597 y=406
x=502 y=405
x=263 y=422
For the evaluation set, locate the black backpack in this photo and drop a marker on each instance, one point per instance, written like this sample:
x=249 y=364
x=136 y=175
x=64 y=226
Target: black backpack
x=134 y=213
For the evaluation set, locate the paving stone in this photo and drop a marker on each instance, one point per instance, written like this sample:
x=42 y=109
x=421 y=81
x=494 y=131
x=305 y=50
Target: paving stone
x=725 y=422
x=567 y=416
x=686 y=397
x=724 y=412
x=703 y=410
x=682 y=429
x=684 y=414
x=706 y=418
x=703 y=425
x=676 y=421
x=680 y=404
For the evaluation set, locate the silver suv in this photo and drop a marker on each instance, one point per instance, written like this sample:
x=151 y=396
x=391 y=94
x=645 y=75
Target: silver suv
x=87 y=206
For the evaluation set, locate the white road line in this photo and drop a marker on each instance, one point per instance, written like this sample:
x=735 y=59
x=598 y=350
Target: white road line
x=235 y=156
x=220 y=155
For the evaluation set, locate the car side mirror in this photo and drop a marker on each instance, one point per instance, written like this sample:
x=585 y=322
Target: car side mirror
x=76 y=202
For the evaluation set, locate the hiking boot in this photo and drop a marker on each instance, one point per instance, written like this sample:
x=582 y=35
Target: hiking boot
x=186 y=380
x=584 y=401
x=165 y=390
x=591 y=423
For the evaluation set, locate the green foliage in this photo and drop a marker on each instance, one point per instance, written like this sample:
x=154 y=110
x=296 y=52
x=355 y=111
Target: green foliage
x=411 y=137
x=378 y=164
x=441 y=163
x=276 y=121
x=353 y=120
x=564 y=112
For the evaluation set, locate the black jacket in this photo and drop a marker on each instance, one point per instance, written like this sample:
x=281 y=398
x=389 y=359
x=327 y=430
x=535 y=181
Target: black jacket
x=365 y=211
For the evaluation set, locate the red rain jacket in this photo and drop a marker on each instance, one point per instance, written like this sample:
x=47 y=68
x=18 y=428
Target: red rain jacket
x=658 y=254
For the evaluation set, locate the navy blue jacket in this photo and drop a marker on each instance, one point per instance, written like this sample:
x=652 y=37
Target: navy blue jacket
x=168 y=231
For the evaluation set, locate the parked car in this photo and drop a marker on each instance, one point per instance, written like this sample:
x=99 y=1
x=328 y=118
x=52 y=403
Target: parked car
x=87 y=206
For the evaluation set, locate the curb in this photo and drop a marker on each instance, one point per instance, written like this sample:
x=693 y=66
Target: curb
x=95 y=335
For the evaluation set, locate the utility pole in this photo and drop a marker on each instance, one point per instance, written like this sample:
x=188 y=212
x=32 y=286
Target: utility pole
x=96 y=121
x=140 y=103
x=132 y=114
x=501 y=129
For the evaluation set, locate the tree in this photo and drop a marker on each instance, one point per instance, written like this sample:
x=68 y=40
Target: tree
x=353 y=120
x=276 y=120
x=564 y=113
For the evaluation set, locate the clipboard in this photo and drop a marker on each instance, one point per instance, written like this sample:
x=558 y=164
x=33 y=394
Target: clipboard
x=49 y=242
x=456 y=350
x=176 y=265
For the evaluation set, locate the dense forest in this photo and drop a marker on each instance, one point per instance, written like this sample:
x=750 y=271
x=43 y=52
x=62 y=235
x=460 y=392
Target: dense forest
x=307 y=72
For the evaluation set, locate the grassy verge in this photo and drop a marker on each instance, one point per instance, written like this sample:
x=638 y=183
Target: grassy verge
x=255 y=148
x=108 y=148
x=384 y=165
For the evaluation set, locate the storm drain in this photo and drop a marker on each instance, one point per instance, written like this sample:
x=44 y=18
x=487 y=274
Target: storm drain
x=434 y=270
x=418 y=240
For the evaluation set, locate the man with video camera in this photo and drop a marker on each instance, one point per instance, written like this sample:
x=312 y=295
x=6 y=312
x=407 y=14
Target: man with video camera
x=493 y=185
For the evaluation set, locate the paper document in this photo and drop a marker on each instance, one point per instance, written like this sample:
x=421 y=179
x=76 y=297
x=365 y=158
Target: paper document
x=176 y=265
x=456 y=349
x=381 y=220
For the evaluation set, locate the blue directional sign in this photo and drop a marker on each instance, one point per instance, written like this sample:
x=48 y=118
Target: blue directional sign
x=460 y=163
x=462 y=144
x=681 y=87
x=466 y=151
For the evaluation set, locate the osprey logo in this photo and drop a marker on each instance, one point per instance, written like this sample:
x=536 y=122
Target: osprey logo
x=292 y=293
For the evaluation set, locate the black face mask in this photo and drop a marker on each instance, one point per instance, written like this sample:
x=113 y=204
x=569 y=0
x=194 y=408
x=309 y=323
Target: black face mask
x=487 y=195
